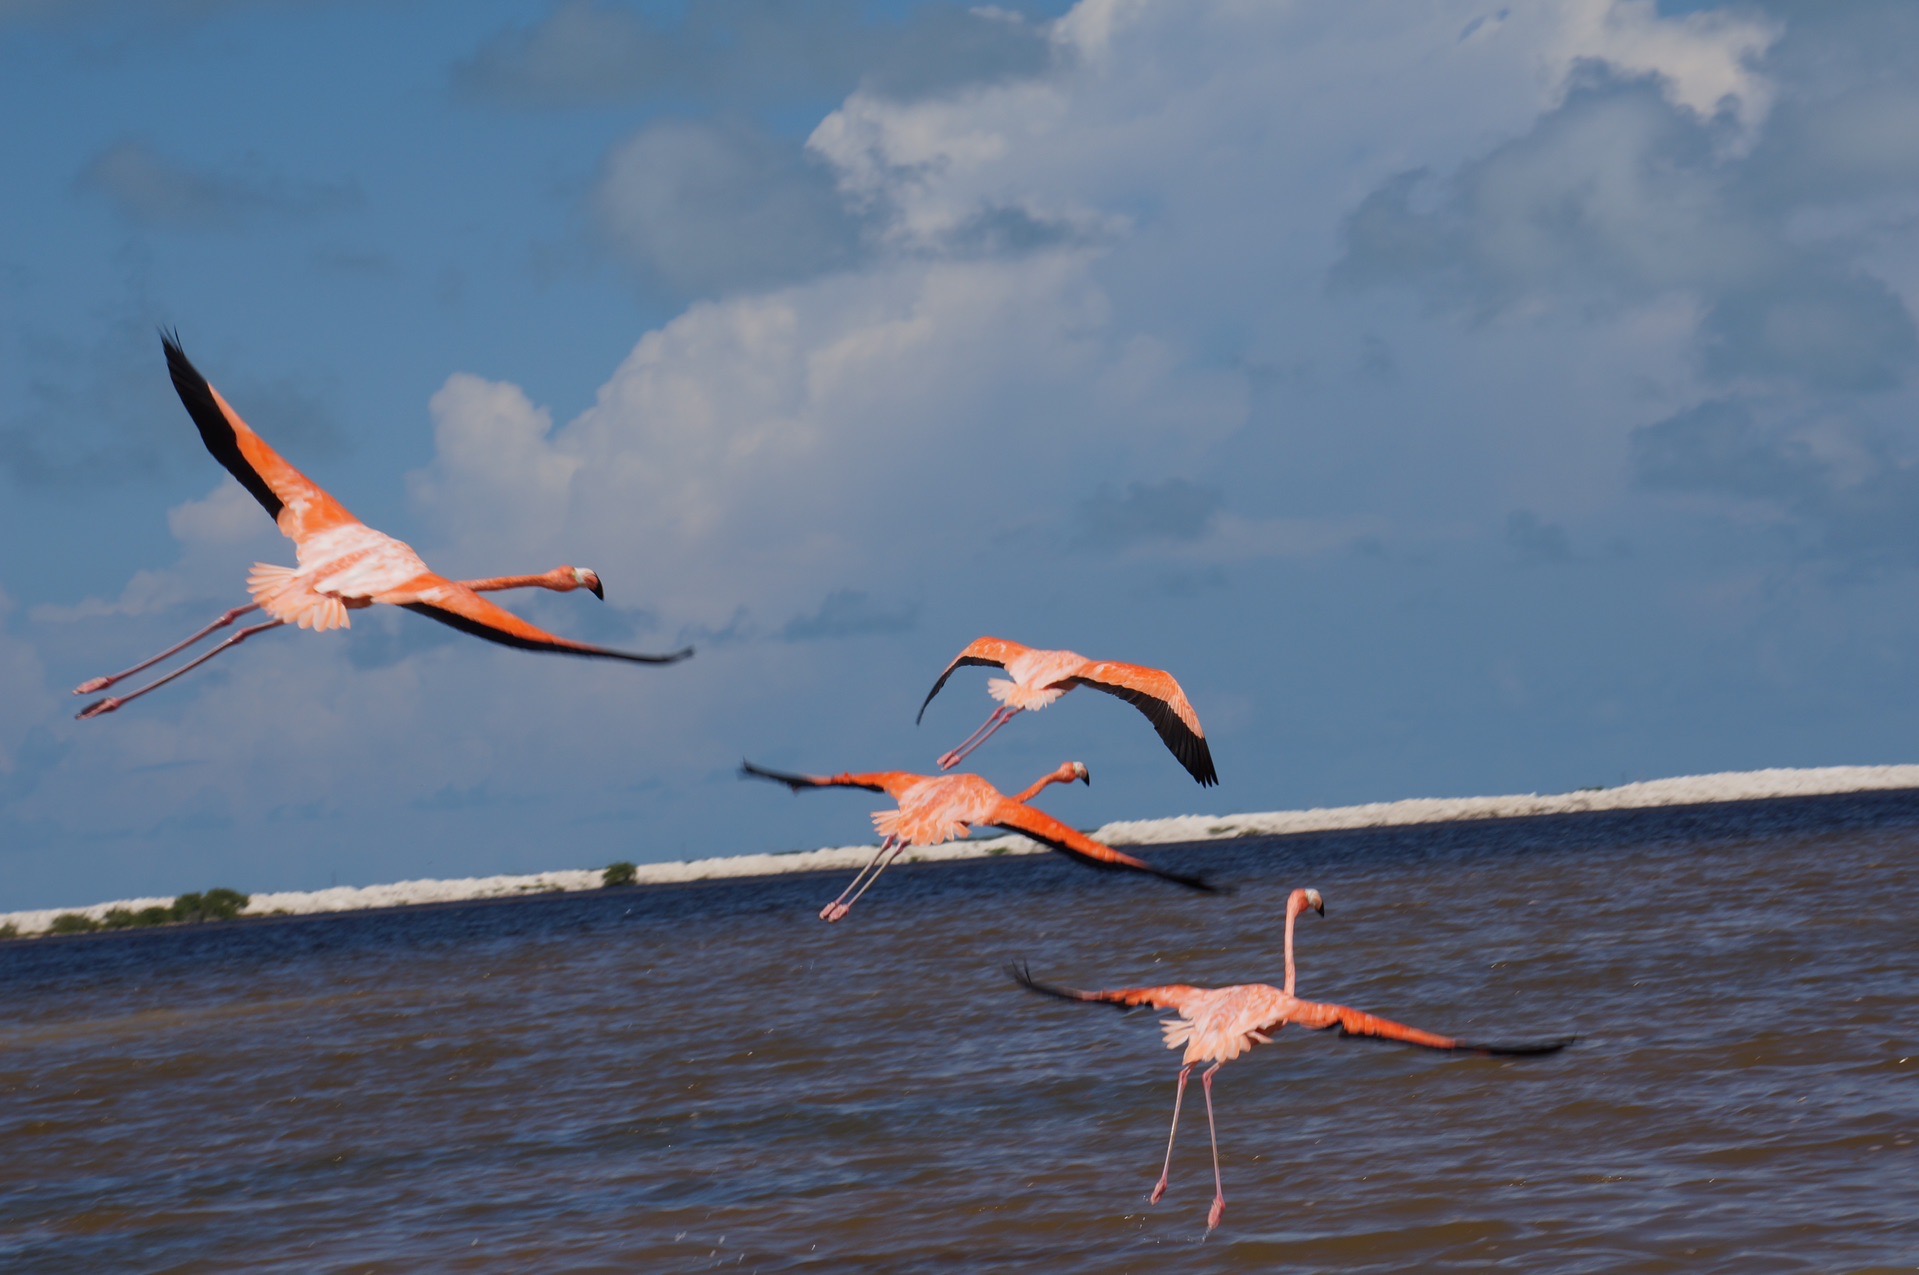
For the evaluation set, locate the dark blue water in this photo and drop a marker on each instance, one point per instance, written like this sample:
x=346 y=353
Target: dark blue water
x=708 y=1077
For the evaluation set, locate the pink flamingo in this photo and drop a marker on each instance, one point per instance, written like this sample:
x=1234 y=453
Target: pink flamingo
x=1218 y=1024
x=345 y=565
x=937 y=808
x=1040 y=677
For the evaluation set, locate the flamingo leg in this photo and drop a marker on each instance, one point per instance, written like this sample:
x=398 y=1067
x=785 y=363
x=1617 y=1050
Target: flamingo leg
x=841 y=906
x=101 y=707
x=101 y=683
x=1219 y=1187
x=899 y=847
x=1179 y=1096
x=1000 y=717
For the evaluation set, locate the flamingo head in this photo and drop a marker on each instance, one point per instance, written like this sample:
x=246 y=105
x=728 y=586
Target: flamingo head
x=583 y=578
x=1300 y=900
x=1075 y=770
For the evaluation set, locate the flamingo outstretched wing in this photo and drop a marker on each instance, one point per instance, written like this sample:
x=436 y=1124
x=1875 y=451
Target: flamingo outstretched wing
x=1155 y=693
x=1352 y=1022
x=891 y=782
x=1055 y=835
x=296 y=503
x=454 y=604
x=986 y=650
x=1176 y=996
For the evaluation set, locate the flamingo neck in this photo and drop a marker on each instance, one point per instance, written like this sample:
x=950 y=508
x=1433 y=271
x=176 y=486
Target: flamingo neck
x=545 y=581
x=1057 y=777
x=1293 y=909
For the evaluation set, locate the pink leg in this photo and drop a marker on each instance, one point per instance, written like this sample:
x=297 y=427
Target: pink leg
x=1179 y=1096
x=898 y=848
x=1219 y=1188
x=101 y=683
x=100 y=707
x=1000 y=717
x=841 y=906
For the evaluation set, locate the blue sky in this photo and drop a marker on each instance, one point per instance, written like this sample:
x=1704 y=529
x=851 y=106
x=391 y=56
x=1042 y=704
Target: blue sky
x=1459 y=398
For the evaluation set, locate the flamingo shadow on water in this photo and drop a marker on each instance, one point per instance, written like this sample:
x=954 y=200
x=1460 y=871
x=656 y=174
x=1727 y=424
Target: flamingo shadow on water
x=344 y=565
x=938 y=808
x=1218 y=1024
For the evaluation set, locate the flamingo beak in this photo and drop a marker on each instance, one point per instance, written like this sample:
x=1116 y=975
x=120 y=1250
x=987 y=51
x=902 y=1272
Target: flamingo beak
x=1321 y=909
x=592 y=582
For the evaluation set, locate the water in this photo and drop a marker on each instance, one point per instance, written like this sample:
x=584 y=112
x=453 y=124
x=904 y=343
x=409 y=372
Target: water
x=707 y=1077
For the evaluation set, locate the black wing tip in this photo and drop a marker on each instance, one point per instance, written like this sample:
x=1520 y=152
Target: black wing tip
x=1194 y=882
x=1519 y=1049
x=796 y=782
x=1023 y=975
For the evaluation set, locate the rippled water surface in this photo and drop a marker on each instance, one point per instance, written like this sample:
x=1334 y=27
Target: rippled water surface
x=708 y=1077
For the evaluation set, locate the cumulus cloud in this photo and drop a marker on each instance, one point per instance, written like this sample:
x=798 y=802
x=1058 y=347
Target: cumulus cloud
x=590 y=53
x=1841 y=489
x=151 y=190
x=708 y=208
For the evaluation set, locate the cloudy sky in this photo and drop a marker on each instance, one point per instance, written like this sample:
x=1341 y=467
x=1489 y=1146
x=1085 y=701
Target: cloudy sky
x=1460 y=397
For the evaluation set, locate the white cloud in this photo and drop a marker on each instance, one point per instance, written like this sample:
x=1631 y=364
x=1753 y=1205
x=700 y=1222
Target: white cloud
x=226 y=516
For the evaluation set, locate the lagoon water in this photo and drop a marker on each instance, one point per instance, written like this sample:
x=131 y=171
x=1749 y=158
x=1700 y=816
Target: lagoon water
x=707 y=1077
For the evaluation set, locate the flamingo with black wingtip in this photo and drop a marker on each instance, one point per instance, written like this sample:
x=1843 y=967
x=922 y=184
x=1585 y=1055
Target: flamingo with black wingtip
x=344 y=565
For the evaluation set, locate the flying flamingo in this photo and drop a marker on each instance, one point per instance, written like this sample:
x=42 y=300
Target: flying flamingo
x=344 y=564
x=1040 y=677
x=937 y=808
x=1218 y=1024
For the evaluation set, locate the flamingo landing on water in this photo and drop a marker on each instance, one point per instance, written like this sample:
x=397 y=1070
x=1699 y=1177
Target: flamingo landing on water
x=937 y=808
x=345 y=565
x=1218 y=1024
x=1040 y=677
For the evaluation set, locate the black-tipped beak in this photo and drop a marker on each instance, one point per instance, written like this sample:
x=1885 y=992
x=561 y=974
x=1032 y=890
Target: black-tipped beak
x=1087 y=779
x=598 y=590
x=1321 y=909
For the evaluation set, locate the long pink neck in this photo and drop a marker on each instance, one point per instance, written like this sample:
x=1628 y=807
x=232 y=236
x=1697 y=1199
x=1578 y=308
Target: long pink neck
x=1294 y=906
x=546 y=581
x=1060 y=776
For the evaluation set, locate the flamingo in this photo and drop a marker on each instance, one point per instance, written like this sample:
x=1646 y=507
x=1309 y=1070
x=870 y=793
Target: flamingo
x=937 y=808
x=344 y=564
x=1218 y=1024
x=1040 y=677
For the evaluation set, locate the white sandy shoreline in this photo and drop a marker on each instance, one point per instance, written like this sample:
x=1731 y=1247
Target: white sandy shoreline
x=1687 y=790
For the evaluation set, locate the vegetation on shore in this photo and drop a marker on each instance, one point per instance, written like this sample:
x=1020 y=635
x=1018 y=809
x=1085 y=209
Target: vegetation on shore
x=217 y=904
x=621 y=873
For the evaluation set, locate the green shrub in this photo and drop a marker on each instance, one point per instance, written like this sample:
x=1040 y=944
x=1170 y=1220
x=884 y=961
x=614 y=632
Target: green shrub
x=118 y=919
x=9 y=931
x=73 y=923
x=218 y=904
x=621 y=873
x=158 y=914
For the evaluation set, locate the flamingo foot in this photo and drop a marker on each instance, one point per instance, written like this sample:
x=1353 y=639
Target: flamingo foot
x=1218 y=1211
x=99 y=708
x=946 y=762
x=1158 y=1192
x=834 y=911
x=93 y=684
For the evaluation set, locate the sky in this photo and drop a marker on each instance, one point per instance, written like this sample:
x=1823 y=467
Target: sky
x=1458 y=398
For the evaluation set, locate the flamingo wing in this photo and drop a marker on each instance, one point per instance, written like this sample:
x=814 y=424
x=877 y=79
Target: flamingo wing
x=1174 y=996
x=1154 y=692
x=295 y=502
x=1074 y=844
x=986 y=650
x=455 y=605
x=891 y=782
x=1352 y=1022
